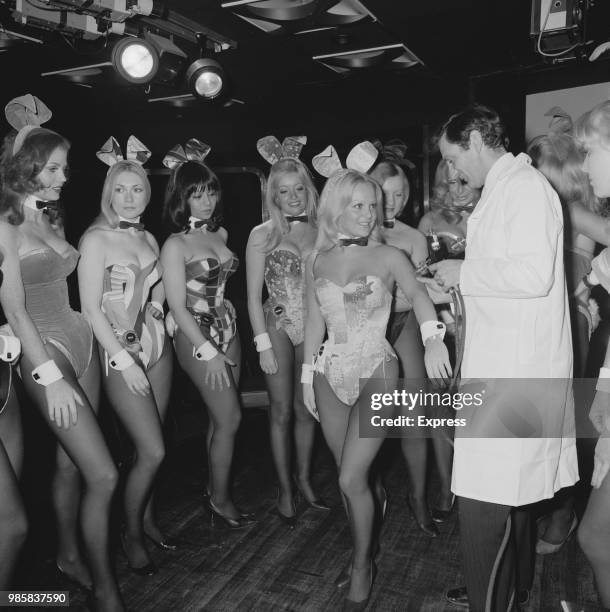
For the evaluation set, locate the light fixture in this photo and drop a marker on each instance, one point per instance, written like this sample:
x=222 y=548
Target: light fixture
x=205 y=77
x=135 y=59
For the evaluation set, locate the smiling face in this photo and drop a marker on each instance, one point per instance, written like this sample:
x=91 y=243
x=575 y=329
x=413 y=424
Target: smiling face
x=597 y=168
x=360 y=215
x=202 y=202
x=464 y=162
x=394 y=196
x=53 y=176
x=129 y=195
x=291 y=194
x=462 y=194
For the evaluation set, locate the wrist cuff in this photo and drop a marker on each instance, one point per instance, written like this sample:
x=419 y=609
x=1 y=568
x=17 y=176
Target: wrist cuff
x=307 y=374
x=429 y=329
x=10 y=348
x=157 y=305
x=205 y=351
x=121 y=361
x=262 y=342
x=47 y=373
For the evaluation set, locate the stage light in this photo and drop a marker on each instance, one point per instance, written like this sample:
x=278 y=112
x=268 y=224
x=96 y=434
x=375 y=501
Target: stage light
x=135 y=59
x=206 y=78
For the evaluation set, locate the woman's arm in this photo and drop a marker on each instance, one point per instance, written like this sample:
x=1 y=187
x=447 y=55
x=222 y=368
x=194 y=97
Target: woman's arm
x=61 y=397
x=91 y=266
x=255 y=278
x=589 y=224
x=315 y=327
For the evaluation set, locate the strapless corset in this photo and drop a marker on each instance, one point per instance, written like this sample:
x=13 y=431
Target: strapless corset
x=284 y=277
x=205 y=282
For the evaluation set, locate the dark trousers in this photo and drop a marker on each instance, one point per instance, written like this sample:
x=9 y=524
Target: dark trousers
x=498 y=553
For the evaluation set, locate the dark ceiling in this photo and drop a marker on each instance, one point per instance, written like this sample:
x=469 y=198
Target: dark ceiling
x=459 y=50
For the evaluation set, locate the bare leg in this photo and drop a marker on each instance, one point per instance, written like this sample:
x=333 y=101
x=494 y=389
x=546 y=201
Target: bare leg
x=225 y=416
x=140 y=417
x=85 y=446
x=160 y=377
x=282 y=394
x=13 y=521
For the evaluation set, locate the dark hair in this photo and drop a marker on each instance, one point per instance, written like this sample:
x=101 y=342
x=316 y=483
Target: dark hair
x=19 y=172
x=185 y=180
x=483 y=119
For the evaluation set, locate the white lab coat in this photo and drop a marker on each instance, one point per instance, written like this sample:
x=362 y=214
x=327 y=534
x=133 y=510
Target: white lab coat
x=517 y=326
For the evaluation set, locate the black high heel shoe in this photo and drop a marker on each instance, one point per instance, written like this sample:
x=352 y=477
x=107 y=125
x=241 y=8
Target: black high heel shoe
x=317 y=504
x=150 y=569
x=439 y=515
x=230 y=522
x=427 y=526
x=63 y=575
x=164 y=544
x=247 y=515
x=349 y=605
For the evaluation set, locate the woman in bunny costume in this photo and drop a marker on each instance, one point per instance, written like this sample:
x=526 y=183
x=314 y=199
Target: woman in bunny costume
x=351 y=276
x=275 y=254
x=197 y=265
x=122 y=297
x=13 y=521
x=59 y=366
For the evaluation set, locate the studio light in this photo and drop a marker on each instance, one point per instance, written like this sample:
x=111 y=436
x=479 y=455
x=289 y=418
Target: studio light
x=135 y=59
x=206 y=78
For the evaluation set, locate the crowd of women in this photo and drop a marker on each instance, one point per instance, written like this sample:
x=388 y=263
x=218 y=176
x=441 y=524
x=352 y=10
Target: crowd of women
x=340 y=274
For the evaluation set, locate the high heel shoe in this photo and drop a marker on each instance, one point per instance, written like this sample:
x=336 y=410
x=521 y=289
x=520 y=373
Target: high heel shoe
x=428 y=527
x=149 y=569
x=289 y=521
x=246 y=515
x=164 y=544
x=439 y=515
x=317 y=504
x=349 y=605
x=72 y=579
x=228 y=521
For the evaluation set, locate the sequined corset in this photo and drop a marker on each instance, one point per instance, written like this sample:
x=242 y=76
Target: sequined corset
x=284 y=277
x=125 y=299
x=356 y=317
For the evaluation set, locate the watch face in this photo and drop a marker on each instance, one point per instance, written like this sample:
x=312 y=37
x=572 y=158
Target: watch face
x=130 y=337
x=278 y=310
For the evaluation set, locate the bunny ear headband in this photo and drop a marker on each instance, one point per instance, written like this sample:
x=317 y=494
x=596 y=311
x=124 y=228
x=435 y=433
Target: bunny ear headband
x=111 y=153
x=561 y=122
x=24 y=114
x=193 y=150
x=272 y=151
x=361 y=158
x=394 y=151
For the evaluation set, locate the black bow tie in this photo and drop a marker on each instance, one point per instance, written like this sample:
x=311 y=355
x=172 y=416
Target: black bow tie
x=126 y=225
x=388 y=223
x=291 y=218
x=42 y=205
x=350 y=241
x=211 y=225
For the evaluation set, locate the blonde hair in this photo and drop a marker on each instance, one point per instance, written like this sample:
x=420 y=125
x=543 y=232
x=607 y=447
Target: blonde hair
x=385 y=170
x=279 y=225
x=594 y=126
x=108 y=217
x=336 y=196
x=560 y=160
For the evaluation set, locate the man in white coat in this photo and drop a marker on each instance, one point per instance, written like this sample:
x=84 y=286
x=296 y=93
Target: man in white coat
x=517 y=327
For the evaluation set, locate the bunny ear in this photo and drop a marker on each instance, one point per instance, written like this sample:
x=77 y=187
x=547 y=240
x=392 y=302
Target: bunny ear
x=327 y=162
x=110 y=153
x=292 y=146
x=26 y=110
x=270 y=149
x=197 y=150
x=362 y=157
x=561 y=122
x=137 y=151
x=174 y=157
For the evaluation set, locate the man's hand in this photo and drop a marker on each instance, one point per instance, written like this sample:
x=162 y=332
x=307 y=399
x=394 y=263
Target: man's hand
x=447 y=273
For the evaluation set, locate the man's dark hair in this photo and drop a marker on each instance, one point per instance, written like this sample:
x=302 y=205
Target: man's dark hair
x=476 y=117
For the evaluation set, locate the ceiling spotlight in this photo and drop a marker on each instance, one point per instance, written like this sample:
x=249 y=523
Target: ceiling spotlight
x=135 y=59
x=206 y=78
